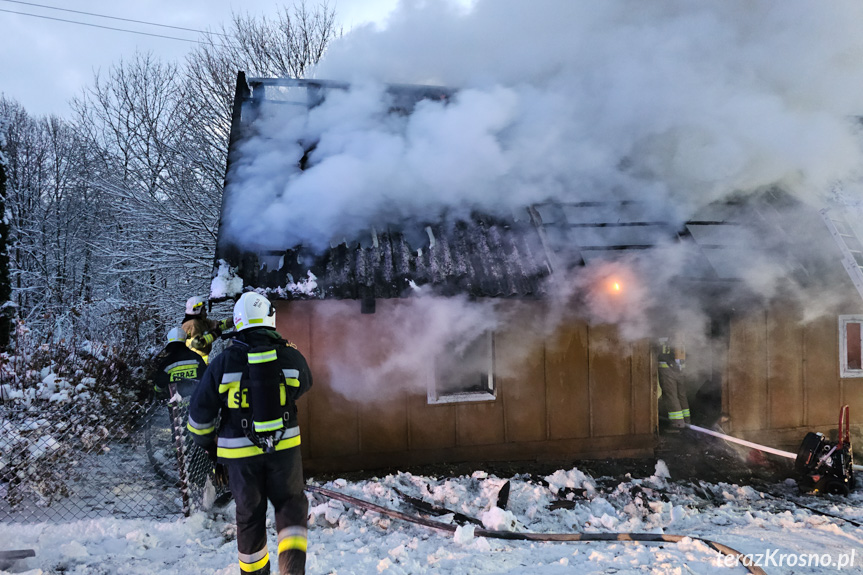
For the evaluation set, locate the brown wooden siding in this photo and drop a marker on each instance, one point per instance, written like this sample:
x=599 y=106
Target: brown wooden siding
x=522 y=359
x=821 y=372
x=610 y=379
x=785 y=396
x=782 y=377
x=580 y=391
x=299 y=332
x=567 y=389
x=747 y=372
x=432 y=426
x=384 y=425
x=643 y=421
x=480 y=423
x=334 y=426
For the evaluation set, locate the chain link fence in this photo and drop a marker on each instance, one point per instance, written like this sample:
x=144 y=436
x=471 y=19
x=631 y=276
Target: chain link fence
x=61 y=462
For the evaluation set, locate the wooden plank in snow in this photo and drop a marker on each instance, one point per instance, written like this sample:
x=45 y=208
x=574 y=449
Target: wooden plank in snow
x=17 y=554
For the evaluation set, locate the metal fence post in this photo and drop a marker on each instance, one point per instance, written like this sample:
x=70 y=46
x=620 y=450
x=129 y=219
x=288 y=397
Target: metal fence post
x=180 y=445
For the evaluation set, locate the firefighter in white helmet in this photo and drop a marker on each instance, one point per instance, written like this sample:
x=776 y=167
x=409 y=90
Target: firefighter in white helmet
x=251 y=389
x=201 y=332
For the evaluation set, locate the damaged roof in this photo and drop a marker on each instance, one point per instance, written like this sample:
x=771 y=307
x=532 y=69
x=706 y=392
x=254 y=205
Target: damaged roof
x=480 y=258
x=495 y=256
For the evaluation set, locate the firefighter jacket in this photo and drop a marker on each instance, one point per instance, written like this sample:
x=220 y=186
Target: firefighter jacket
x=670 y=356
x=218 y=397
x=175 y=364
x=195 y=326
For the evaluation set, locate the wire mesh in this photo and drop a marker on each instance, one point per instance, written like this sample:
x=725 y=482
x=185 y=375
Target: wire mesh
x=62 y=462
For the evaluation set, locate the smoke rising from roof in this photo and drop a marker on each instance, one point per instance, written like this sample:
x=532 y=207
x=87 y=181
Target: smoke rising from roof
x=705 y=97
x=670 y=102
x=676 y=101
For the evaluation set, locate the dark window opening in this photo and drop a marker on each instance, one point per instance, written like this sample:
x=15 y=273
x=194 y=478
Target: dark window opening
x=852 y=337
x=465 y=373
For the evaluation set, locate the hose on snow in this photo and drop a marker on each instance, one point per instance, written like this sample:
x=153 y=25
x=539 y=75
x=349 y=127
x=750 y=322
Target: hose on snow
x=529 y=536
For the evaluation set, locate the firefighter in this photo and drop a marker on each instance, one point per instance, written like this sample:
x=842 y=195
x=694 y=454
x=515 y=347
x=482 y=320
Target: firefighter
x=200 y=330
x=671 y=359
x=177 y=364
x=253 y=386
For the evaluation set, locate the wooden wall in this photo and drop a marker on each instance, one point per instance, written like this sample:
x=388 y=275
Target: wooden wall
x=782 y=377
x=578 y=392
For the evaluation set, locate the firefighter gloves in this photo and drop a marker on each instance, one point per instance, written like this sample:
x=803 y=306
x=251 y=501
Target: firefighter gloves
x=202 y=341
x=159 y=393
x=220 y=472
x=220 y=476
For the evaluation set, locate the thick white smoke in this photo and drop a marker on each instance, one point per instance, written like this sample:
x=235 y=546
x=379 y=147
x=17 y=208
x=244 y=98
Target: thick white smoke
x=675 y=102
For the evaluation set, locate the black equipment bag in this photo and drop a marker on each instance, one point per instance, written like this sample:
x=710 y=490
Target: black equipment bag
x=264 y=391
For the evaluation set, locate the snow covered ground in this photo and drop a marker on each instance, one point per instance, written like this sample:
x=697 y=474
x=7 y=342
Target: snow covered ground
x=780 y=537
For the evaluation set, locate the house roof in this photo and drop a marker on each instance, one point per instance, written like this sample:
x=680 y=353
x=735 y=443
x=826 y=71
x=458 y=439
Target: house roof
x=482 y=258
x=496 y=256
x=480 y=255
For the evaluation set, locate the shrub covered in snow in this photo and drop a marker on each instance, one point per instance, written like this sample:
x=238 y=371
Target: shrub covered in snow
x=89 y=375
x=57 y=402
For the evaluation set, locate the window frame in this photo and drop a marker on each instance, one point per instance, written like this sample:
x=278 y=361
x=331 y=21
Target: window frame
x=434 y=398
x=844 y=370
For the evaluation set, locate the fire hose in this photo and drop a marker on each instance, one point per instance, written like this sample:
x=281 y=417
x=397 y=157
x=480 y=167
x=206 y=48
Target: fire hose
x=530 y=536
x=764 y=448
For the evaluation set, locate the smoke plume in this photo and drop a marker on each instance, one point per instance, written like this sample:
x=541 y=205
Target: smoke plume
x=670 y=102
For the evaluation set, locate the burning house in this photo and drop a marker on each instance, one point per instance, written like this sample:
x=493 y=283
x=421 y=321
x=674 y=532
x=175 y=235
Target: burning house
x=443 y=330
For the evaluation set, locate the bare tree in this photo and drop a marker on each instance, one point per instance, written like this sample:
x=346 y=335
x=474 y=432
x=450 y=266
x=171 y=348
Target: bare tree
x=113 y=217
x=288 y=46
x=53 y=217
x=159 y=236
x=5 y=285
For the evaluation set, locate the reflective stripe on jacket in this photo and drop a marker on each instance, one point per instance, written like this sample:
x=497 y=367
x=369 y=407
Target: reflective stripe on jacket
x=177 y=363
x=218 y=396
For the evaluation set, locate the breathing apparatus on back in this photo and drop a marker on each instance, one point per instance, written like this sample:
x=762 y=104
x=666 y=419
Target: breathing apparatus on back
x=264 y=388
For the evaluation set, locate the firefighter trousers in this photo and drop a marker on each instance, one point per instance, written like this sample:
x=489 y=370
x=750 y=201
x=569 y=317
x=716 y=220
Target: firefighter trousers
x=277 y=478
x=674 y=400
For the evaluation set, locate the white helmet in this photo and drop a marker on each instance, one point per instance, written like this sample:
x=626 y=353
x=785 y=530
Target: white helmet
x=195 y=305
x=253 y=310
x=176 y=334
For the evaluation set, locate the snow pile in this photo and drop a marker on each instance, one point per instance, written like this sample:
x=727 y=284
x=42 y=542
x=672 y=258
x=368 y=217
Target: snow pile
x=226 y=283
x=572 y=479
x=306 y=286
x=345 y=539
x=91 y=376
